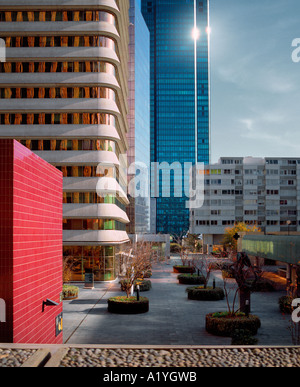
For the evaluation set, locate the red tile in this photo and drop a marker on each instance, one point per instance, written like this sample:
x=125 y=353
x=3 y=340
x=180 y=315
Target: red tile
x=31 y=234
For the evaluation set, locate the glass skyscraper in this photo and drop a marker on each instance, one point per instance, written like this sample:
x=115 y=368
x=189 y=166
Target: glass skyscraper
x=176 y=128
x=139 y=119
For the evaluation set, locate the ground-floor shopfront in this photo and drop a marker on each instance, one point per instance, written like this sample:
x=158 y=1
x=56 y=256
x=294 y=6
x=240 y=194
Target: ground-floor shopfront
x=102 y=261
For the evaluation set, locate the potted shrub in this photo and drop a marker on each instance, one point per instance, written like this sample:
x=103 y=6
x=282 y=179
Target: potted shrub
x=128 y=305
x=190 y=279
x=70 y=292
x=207 y=293
x=138 y=259
x=225 y=323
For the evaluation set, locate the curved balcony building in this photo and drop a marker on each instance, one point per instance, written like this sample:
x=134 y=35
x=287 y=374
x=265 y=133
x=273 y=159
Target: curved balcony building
x=64 y=91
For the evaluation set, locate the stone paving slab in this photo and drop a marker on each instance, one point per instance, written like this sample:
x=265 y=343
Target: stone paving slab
x=171 y=320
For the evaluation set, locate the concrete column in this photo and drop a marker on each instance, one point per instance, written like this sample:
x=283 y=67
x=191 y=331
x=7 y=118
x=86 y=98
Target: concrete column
x=168 y=248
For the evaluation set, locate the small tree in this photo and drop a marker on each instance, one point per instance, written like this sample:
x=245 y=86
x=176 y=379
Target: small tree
x=138 y=260
x=229 y=241
x=183 y=250
x=246 y=276
x=204 y=268
x=193 y=243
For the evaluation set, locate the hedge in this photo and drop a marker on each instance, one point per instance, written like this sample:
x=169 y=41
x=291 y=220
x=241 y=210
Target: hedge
x=124 y=305
x=184 y=269
x=205 y=294
x=190 y=279
x=225 y=325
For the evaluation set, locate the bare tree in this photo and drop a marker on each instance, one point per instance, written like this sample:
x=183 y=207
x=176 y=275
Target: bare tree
x=138 y=259
x=246 y=277
x=183 y=250
x=203 y=267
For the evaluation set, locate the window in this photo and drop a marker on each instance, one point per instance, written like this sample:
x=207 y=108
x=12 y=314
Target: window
x=215 y=172
x=272 y=192
x=272 y=222
x=250 y=212
x=203 y=223
x=227 y=222
x=272 y=162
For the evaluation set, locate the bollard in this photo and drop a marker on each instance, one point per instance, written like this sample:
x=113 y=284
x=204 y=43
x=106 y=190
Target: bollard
x=214 y=284
x=138 y=293
x=247 y=307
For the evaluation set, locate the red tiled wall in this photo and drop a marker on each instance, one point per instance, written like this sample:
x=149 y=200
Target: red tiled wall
x=6 y=240
x=37 y=247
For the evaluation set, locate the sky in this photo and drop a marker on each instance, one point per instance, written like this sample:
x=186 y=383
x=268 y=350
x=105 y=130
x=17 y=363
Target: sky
x=255 y=85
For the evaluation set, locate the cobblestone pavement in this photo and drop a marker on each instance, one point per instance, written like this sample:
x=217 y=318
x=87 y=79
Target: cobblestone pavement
x=171 y=320
x=241 y=357
x=14 y=357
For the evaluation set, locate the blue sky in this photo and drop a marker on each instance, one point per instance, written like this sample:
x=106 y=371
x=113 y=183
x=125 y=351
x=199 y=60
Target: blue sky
x=255 y=84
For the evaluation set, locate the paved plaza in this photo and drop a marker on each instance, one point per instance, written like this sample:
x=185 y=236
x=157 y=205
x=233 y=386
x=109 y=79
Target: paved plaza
x=172 y=319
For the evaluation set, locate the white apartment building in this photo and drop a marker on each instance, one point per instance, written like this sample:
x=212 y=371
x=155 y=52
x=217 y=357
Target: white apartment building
x=258 y=191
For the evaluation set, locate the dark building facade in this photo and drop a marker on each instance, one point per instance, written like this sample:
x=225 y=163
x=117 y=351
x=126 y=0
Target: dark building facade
x=180 y=126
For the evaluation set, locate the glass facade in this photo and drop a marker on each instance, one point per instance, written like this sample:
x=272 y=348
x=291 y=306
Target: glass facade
x=139 y=118
x=98 y=258
x=173 y=98
x=58 y=67
x=56 y=16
